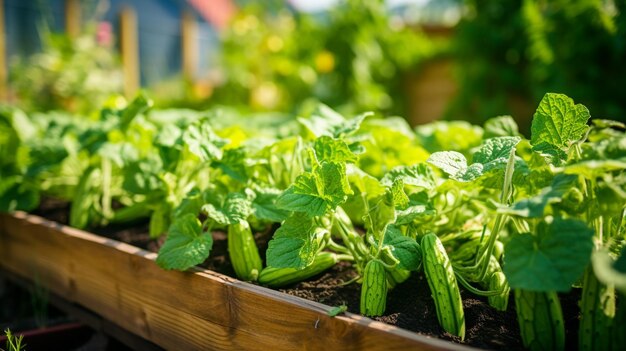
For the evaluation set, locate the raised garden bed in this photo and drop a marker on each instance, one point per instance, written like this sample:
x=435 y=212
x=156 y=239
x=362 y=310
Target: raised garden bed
x=197 y=309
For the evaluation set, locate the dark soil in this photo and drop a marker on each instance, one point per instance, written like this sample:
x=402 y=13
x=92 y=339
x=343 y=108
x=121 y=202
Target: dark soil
x=409 y=305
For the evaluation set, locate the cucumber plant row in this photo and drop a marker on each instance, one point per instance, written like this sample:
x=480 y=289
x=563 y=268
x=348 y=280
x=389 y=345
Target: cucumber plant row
x=480 y=209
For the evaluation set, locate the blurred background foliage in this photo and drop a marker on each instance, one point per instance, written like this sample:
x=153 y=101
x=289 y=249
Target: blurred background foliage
x=353 y=59
x=511 y=52
x=76 y=74
x=358 y=55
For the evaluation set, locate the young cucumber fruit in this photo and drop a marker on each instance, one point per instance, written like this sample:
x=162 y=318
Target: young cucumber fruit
x=374 y=289
x=498 y=282
x=443 y=286
x=244 y=254
x=540 y=319
x=597 y=307
x=278 y=277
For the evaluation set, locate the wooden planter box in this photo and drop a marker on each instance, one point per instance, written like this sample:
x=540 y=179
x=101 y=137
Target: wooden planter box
x=193 y=310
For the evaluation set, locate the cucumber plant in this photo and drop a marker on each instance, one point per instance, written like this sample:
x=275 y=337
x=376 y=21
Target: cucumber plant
x=476 y=210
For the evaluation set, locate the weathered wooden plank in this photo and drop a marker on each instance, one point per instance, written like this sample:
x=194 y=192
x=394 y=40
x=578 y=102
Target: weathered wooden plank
x=189 y=45
x=72 y=18
x=129 y=47
x=193 y=310
x=87 y=317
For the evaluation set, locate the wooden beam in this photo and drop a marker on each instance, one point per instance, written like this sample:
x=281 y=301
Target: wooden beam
x=193 y=310
x=3 y=56
x=86 y=316
x=129 y=45
x=189 y=43
x=72 y=18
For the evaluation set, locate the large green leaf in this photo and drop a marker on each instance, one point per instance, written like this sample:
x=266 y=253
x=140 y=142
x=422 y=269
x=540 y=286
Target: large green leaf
x=326 y=122
x=203 y=142
x=295 y=243
x=328 y=149
x=264 y=205
x=406 y=250
x=500 y=126
x=186 y=244
x=557 y=124
x=232 y=208
x=317 y=191
x=535 y=206
x=492 y=155
x=418 y=175
x=551 y=259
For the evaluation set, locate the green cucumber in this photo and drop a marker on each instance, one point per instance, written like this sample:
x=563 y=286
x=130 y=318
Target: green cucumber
x=619 y=335
x=397 y=276
x=374 y=289
x=498 y=282
x=278 y=277
x=540 y=319
x=244 y=254
x=597 y=307
x=443 y=286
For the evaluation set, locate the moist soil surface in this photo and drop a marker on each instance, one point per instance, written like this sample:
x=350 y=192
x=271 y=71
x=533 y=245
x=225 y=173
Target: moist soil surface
x=409 y=305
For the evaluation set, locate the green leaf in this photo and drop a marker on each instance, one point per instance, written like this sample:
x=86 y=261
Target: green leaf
x=142 y=177
x=552 y=259
x=303 y=196
x=419 y=208
x=495 y=152
x=500 y=126
x=139 y=105
x=337 y=310
x=449 y=135
x=296 y=243
x=328 y=149
x=318 y=191
x=418 y=175
x=492 y=155
x=186 y=244
x=233 y=208
x=403 y=248
x=452 y=163
x=191 y=204
x=326 y=122
x=534 y=207
x=400 y=199
x=203 y=142
x=265 y=208
x=557 y=124
x=17 y=196
x=160 y=219
x=233 y=163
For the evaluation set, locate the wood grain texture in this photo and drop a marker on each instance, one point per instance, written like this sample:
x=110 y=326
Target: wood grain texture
x=193 y=310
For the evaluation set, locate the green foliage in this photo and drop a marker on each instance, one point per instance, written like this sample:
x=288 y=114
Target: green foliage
x=353 y=60
x=71 y=74
x=14 y=343
x=535 y=49
x=499 y=212
x=551 y=259
x=187 y=244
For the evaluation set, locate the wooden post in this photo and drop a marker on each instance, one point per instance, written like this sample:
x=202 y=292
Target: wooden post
x=189 y=34
x=129 y=50
x=3 y=56
x=72 y=18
